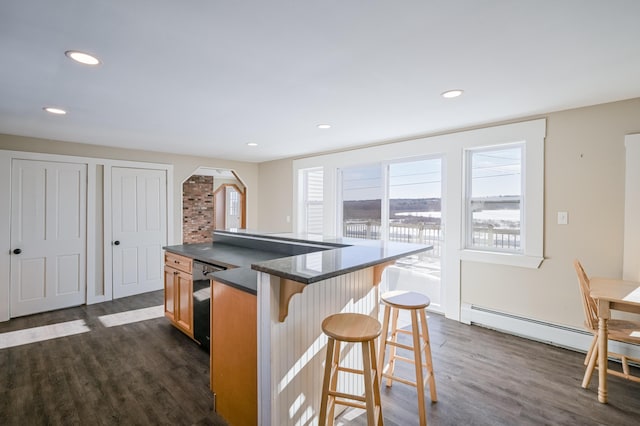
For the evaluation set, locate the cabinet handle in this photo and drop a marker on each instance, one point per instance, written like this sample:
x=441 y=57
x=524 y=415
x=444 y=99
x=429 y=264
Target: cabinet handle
x=176 y=261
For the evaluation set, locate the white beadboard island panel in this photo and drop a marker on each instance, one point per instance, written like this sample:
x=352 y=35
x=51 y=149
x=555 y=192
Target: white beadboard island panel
x=291 y=354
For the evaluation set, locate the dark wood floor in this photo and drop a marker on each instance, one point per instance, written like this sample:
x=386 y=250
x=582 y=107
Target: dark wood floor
x=484 y=377
x=147 y=372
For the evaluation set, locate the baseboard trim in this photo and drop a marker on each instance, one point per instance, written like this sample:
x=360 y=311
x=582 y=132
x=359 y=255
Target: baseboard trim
x=528 y=328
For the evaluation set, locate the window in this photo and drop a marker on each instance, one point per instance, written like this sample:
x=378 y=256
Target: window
x=399 y=201
x=495 y=198
x=312 y=200
x=362 y=202
x=234 y=202
x=520 y=224
x=415 y=202
x=409 y=210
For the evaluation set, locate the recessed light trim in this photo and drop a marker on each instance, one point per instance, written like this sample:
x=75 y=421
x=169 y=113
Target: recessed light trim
x=324 y=126
x=452 y=93
x=252 y=144
x=54 y=110
x=82 y=57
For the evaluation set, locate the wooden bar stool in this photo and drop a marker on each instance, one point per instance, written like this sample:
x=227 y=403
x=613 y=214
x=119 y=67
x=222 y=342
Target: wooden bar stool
x=351 y=328
x=394 y=301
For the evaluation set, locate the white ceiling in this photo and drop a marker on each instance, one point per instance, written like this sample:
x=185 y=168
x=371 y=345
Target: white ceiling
x=205 y=77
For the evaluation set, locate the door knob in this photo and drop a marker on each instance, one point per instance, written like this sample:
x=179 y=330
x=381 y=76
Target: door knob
x=116 y=243
x=17 y=251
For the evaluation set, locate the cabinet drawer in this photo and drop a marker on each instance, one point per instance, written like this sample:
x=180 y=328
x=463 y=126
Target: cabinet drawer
x=176 y=261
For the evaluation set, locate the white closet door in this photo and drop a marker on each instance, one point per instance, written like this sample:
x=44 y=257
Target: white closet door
x=139 y=229
x=48 y=236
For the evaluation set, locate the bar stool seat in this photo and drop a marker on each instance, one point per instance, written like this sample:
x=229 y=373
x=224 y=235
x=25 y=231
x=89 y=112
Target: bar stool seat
x=351 y=328
x=416 y=303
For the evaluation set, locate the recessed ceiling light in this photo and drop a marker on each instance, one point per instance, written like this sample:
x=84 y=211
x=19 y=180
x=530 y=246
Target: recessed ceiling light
x=83 y=58
x=252 y=144
x=324 y=126
x=54 y=110
x=452 y=93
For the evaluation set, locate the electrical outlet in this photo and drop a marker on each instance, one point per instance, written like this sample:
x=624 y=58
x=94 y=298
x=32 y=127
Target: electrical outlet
x=563 y=218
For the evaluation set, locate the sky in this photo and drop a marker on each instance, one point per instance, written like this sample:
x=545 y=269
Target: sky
x=495 y=172
x=414 y=179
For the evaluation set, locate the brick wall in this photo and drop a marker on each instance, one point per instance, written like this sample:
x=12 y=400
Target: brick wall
x=197 y=209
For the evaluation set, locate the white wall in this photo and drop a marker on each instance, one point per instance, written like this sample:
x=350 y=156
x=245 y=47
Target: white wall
x=631 y=261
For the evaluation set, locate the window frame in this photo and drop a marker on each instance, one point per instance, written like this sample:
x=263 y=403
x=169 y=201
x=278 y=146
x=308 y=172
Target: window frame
x=340 y=196
x=452 y=146
x=532 y=135
x=303 y=210
x=468 y=227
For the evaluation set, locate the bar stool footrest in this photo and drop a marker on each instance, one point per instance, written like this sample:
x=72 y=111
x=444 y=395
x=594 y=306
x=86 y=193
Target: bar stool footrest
x=400 y=379
x=400 y=345
x=350 y=370
x=346 y=396
x=350 y=404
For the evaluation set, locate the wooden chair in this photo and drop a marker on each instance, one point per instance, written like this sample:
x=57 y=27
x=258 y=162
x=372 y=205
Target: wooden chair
x=618 y=330
x=352 y=328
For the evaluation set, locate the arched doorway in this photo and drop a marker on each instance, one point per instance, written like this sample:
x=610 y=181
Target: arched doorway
x=212 y=198
x=228 y=207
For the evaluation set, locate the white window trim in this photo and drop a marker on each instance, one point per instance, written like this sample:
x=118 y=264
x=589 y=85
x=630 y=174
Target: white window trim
x=451 y=146
x=532 y=201
x=468 y=226
x=302 y=219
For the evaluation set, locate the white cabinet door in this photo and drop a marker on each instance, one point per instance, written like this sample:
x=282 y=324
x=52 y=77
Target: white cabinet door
x=48 y=236
x=139 y=229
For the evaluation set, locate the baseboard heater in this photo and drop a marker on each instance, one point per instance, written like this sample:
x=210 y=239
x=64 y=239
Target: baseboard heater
x=541 y=331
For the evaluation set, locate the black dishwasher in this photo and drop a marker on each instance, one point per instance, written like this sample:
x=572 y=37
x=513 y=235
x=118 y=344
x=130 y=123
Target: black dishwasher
x=202 y=301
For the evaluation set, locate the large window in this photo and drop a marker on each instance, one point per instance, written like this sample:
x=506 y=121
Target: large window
x=494 y=198
x=492 y=182
x=362 y=202
x=494 y=187
x=395 y=201
x=399 y=201
x=415 y=202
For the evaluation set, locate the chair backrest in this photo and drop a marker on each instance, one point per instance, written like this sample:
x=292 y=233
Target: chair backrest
x=588 y=303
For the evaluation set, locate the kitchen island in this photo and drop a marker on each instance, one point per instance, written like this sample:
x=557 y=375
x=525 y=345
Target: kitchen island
x=279 y=288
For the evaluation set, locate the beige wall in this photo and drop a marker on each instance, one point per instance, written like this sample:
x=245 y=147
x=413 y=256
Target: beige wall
x=275 y=196
x=183 y=167
x=584 y=176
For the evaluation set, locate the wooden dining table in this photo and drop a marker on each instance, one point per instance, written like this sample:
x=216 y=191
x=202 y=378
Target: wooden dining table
x=611 y=294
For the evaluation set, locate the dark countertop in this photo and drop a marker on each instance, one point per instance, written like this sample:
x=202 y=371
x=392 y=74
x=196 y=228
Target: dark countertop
x=313 y=267
x=236 y=259
x=305 y=259
x=244 y=279
x=222 y=254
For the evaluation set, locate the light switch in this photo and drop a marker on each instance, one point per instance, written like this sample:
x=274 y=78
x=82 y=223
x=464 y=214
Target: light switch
x=563 y=218
x=288 y=218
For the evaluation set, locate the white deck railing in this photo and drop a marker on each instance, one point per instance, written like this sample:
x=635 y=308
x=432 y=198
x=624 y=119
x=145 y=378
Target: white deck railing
x=426 y=233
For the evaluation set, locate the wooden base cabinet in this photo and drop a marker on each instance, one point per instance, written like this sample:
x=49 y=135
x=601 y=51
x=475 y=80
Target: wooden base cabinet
x=234 y=356
x=178 y=292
